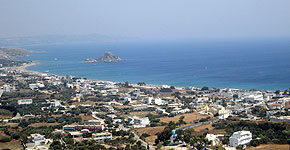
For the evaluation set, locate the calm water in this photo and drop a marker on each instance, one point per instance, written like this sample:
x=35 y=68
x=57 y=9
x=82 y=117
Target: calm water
x=259 y=64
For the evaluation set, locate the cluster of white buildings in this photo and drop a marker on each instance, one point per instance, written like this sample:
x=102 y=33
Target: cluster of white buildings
x=36 y=86
x=137 y=122
x=8 y=88
x=154 y=101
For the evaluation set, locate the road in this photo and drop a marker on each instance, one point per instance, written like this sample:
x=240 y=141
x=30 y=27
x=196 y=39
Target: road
x=94 y=115
x=196 y=124
x=136 y=137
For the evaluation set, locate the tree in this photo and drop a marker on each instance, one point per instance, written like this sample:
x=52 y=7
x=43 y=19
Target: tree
x=204 y=88
x=277 y=92
x=144 y=135
x=158 y=146
x=180 y=122
x=156 y=141
x=5 y=139
x=128 y=147
x=285 y=92
x=225 y=103
x=139 y=143
x=235 y=96
x=87 y=135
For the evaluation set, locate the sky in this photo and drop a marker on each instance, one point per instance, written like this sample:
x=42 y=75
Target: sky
x=147 y=18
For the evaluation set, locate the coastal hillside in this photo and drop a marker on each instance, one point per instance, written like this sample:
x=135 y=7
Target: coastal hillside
x=12 y=53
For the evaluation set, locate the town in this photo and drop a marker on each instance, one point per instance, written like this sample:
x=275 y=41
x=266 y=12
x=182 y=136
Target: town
x=46 y=111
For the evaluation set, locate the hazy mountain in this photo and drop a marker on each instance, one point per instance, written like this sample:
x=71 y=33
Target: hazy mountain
x=53 y=39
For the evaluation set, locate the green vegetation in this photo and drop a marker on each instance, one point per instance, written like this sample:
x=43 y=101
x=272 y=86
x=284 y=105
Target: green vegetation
x=268 y=132
x=10 y=63
x=5 y=112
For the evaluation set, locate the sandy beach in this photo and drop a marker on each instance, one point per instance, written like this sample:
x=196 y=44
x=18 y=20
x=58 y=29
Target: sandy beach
x=23 y=68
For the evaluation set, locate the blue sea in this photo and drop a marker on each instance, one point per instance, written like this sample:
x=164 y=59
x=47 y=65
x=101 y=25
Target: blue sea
x=244 y=64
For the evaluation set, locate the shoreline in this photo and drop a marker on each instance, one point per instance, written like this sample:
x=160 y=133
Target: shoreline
x=23 y=69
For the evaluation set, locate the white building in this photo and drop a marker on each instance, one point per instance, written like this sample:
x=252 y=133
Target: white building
x=213 y=139
x=140 y=107
x=99 y=137
x=40 y=85
x=139 y=122
x=96 y=122
x=257 y=97
x=55 y=103
x=24 y=101
x=68 y=85
x=37 y=141
x=158 y=101
x=1 y=92
x=8 y=88
x=33 y=86
x=223 y=114
x=240 y=138
x=148 y=100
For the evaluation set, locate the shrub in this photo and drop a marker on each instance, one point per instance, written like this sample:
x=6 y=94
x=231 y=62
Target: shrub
x=5 y=139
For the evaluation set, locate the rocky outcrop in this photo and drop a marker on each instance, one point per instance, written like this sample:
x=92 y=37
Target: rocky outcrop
x=108 y=57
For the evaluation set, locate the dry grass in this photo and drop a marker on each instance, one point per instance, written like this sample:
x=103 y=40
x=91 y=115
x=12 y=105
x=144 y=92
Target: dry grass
x=5 y=117
x=84 y=103
x=152 y=131
x=13 y=145
x=55 y=116
x=270 y=147
x=138 y=114
x=11 y=124
x=203 y=127
x=188 y=118
x=86 y=118
x=218 y=131
x=173 y=147
x=122 y=106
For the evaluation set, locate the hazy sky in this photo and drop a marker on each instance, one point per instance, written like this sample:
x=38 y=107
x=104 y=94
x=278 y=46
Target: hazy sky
x=147 y=18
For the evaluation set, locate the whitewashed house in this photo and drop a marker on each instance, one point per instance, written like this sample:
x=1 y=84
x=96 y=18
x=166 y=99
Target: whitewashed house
x=140 y=107
x=213 y=139
x=24 y=101
x=37 y=141
x=158 y=101
x=240 y=138
x=99 y=137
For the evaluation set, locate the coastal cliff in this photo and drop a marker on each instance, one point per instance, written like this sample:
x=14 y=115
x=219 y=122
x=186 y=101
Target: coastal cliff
x=108 y=57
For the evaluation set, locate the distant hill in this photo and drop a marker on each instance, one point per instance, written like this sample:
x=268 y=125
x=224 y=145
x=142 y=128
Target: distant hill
x=12 y=53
